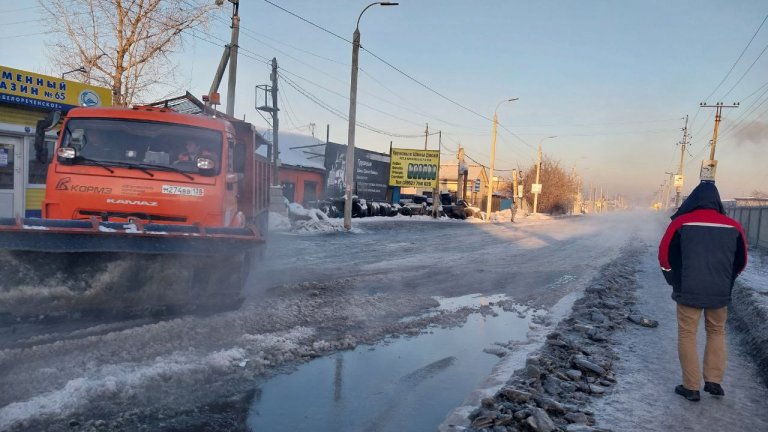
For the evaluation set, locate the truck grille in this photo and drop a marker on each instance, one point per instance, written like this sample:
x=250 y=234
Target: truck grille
x=147 y=217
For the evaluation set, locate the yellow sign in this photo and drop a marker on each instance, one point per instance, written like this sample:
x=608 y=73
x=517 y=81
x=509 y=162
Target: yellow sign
x=43 y=91
x=414 y=168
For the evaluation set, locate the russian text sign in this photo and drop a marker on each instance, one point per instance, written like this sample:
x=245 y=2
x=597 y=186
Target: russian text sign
x=43 y=91
x=414 y=168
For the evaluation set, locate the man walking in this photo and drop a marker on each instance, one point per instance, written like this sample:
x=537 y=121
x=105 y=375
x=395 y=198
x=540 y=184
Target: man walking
x=701 y=254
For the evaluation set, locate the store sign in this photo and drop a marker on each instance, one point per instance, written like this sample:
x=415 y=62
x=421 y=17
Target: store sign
x=371 y=169
x=477 y=186
x=678 y=181
x=414 y=168
x=43 y=91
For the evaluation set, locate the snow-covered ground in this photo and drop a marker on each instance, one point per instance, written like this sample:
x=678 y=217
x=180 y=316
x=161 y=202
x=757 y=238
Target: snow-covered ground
x=648 y=371
x=312 y=295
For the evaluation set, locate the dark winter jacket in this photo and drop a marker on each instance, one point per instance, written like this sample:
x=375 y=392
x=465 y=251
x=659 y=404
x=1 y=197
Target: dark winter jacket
x=702 y=251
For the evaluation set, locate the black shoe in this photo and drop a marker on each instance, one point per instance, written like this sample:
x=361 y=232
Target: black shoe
x=714 y=389
x=691 y=395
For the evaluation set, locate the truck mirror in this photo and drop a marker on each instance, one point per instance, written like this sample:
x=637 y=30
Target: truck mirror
x=239 y=158
x=46 y=124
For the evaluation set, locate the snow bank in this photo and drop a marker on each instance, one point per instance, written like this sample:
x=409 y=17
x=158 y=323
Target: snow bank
x=750 y=308
x=119 y=380
x=278 y=222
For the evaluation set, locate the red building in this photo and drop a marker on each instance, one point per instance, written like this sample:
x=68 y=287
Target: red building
x=301 y=170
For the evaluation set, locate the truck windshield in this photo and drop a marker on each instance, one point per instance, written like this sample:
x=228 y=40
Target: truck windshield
x=160 y=145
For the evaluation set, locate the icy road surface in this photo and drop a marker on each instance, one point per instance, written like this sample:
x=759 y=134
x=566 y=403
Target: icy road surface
x=312 y=296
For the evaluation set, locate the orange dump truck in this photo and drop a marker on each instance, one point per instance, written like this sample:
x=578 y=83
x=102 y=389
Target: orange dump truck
x=146 y=210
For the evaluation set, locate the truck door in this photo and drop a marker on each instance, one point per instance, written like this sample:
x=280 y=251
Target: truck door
x=11 y=184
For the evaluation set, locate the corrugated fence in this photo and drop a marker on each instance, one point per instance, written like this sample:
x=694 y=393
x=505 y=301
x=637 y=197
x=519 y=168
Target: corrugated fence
x=754 y=220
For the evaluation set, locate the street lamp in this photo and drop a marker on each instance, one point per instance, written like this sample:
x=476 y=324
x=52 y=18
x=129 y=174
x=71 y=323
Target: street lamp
x=80 y=69
x=538 y=171
x=493 y=156
x=349 y=165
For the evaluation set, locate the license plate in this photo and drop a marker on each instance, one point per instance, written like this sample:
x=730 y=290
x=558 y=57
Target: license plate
x=182 y=190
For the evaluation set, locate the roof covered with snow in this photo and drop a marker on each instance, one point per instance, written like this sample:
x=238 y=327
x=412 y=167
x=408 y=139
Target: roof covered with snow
x=450 y=172
x=296 y=150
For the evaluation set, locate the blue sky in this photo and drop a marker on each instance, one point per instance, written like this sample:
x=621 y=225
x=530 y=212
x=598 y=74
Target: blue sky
x=612 y=79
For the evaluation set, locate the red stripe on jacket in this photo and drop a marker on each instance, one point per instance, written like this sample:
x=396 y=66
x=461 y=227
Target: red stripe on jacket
x=701 y=216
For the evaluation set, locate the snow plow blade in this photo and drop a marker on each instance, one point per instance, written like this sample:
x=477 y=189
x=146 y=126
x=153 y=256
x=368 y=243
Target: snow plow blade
x=61 y=268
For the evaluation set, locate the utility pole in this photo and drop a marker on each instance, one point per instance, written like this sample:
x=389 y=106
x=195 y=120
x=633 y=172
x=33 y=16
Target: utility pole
x=669 y=188
x=228 y=56
x=708 y=167
x=514 y=194
x=275 y=122
x=679 y=186
x=490 y=174
x=271 y=107
x=232 y=80
x=460 y=183
x=426 y=136
x=601 y=199
x=538 y=172
x=436 y=191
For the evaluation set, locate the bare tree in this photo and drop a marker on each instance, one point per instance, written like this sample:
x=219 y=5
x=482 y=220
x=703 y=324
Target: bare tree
x=558 y=191
x=121 y=44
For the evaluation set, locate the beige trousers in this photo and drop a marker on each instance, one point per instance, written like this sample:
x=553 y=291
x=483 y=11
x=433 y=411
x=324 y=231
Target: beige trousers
x=714 y=352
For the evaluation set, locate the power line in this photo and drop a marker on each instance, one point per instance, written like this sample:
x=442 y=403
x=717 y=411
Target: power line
x=383 y=61
x=308 y=21
x=30 y=34
x=340 y=114
x=281 y=95
x=21 y=9
x=346 y=97
x=746 y=72
x=738 y=59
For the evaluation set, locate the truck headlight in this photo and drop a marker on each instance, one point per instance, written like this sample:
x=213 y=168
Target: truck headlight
x=66 y=152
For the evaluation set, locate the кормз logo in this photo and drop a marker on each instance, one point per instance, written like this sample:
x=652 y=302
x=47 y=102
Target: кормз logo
x=63 y=183
x=89 y=98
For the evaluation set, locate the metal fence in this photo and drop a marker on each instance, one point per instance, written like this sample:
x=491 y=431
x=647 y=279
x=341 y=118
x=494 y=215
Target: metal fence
x=754 y=220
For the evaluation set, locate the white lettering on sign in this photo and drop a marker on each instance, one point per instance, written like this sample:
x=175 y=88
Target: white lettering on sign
x=183 y=190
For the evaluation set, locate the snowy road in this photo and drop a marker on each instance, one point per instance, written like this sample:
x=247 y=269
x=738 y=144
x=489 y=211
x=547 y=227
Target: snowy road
x=311 y=296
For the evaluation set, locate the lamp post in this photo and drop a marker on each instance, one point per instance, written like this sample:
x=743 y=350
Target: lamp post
x=80 y=69
x=349 y=164
x=493 y=156
x=538 y=172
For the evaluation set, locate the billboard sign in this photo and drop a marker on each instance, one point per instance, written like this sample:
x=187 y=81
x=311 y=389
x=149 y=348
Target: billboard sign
x=414 y=168
x=371 y=170
x=536 y=188
x=48 y=92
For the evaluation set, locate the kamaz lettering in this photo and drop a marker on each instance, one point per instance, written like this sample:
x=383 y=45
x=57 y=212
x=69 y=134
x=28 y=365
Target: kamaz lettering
x=131 y=202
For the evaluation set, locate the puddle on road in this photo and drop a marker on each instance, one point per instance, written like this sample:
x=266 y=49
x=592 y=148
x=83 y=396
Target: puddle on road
x=400 y=384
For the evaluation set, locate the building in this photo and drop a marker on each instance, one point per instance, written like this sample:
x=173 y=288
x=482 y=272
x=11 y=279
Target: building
x=476 y=183
x=301 y=169
x=25 y=98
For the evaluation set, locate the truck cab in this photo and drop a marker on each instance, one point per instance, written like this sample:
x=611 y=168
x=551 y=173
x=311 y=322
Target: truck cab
x=144 y=164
